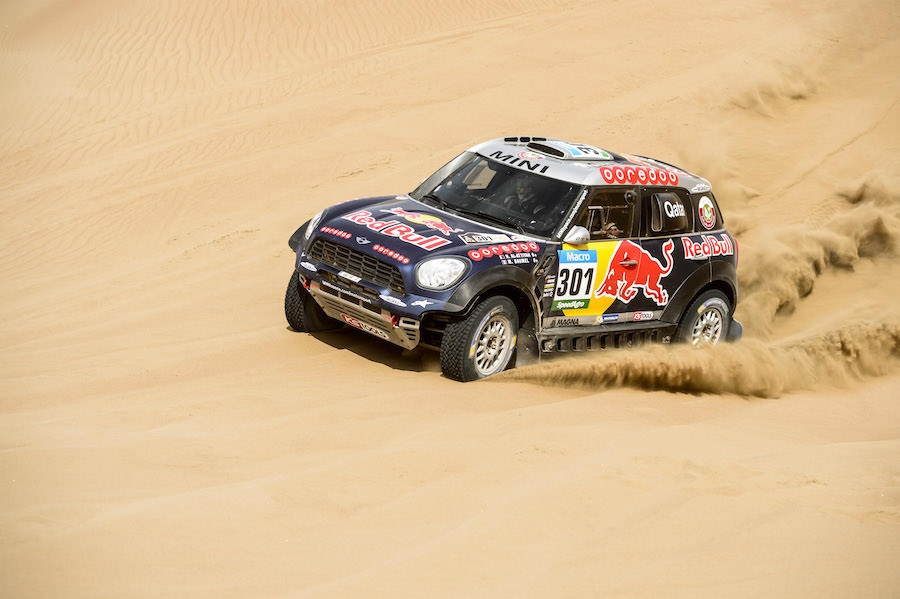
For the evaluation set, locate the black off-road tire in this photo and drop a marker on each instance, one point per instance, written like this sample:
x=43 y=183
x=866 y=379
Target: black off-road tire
x=302 y=312
x=463 y=338
x=709 y=309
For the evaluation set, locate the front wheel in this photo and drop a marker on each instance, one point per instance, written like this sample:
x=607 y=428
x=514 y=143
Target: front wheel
x=302 y=312
x=706 y=321
x=482 y=343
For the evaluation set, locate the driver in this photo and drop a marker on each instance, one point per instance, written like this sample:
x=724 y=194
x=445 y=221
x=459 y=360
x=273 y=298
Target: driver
x=612 y=230
x=524 y=198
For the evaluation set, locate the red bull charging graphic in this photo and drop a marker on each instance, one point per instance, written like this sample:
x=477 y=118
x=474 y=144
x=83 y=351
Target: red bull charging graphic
x=632 y=268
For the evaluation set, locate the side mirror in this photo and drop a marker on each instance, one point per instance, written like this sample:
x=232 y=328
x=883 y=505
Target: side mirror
x=577 y=235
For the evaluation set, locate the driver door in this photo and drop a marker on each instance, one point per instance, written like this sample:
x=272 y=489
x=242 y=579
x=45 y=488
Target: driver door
x=592 y=280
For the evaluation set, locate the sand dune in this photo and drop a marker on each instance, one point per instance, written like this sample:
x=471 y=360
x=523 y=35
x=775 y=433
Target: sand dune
x=163 y=434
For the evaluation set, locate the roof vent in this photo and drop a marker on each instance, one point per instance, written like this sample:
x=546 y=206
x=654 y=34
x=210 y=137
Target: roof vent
x=523 y=140
x=545 y=149
x=571 y=151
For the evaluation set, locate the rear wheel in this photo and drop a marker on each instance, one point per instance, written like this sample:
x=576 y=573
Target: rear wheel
x=302 y=312
x=481 y=344
x=706 y=320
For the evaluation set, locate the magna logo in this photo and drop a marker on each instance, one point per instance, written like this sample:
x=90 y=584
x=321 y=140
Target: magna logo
x=393 y=228
x=623 y=280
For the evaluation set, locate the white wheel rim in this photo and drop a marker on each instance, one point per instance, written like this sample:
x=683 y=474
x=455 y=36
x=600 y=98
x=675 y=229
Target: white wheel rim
x=708 y=328
x=492 y=345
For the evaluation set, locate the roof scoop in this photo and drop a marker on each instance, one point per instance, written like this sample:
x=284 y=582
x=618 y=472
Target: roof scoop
x=570 y=151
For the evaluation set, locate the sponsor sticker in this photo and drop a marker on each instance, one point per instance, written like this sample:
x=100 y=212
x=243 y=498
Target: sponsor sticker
x=348 y=276
x=709 y=245
x=390 y=253
x=364 y=326
x=566 y=322
x=570 y=304
x=632 y=268
x=642 y=316
x=608 y=318
x=362 y=241
x=336 y=232
x=673 y=209
x=707 y=212
x=422 y=302
x=477 y=238
x=575 y=279
x=308 y=266
x=585 y=151
x=366 y=300
x=549 y=285
x=393 y=300
x=517 y=252
x=396 y=229
x=429 y=220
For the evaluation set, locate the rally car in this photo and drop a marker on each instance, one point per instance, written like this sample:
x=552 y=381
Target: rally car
x=521 y=246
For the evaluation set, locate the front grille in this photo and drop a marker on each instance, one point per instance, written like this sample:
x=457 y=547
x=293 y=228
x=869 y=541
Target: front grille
x=357 y=263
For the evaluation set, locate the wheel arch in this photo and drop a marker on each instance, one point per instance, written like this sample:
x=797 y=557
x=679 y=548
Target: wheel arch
x=510 y=281
x=524 y=306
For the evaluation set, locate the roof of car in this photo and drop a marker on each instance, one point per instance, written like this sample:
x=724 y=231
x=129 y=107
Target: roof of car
x=585 y=164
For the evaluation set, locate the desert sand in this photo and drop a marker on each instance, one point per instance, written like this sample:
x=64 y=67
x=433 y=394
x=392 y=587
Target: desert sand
x=163 y=433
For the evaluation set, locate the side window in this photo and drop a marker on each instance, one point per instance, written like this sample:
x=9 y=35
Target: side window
x=668 y=213
x=608 y=213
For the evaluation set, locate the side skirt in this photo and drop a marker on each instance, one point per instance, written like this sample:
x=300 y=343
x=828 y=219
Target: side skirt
x=596 y=338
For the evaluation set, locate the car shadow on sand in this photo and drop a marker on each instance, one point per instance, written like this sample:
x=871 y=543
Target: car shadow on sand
x=375 y=350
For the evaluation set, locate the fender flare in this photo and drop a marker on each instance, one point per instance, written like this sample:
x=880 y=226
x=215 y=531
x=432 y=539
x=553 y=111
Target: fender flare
x=716 y=275
x=492 y=278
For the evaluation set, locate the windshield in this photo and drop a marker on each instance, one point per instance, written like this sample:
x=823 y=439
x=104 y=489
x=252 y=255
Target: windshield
x=498 y=194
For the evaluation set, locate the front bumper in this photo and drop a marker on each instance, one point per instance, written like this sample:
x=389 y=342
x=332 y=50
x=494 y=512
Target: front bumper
x=345 y=306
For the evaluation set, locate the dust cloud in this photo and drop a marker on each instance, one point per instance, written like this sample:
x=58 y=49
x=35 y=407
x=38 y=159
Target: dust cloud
x=780 y=268
x=750 y=367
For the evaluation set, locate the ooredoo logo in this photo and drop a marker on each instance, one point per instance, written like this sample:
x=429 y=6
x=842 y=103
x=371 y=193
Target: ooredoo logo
x=500 y=250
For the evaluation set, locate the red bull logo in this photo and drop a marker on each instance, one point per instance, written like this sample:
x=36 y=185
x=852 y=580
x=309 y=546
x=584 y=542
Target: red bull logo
x=632 y=268
x=429 y=220
x=394 y=228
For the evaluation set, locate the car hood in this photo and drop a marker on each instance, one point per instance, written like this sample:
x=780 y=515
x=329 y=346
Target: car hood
x=407 y=230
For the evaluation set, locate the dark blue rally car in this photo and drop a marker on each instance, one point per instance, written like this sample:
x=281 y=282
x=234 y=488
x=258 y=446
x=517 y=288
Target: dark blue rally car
x=522 y=246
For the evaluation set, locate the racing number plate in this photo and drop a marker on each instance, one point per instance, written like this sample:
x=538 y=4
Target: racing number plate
x=575 y=281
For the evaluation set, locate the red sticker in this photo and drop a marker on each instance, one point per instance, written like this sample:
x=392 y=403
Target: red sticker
x=642 y=175
x=608 y=175
x=663 y=177
x=620 y=174
x=673 y=177
x=631 y=175
x=651 y=175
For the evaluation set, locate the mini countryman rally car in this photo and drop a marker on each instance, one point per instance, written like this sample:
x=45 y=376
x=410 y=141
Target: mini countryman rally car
x=522 y=246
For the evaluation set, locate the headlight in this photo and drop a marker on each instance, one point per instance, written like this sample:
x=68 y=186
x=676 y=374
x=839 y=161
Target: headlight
x=440 y=273
x=312 y=224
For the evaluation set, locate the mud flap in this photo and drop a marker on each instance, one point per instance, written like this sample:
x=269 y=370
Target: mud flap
x=527 y=350
x=735 y=331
